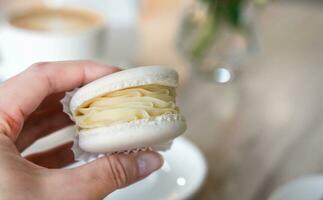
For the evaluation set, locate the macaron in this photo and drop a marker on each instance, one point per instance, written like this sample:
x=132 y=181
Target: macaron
x=130 y=109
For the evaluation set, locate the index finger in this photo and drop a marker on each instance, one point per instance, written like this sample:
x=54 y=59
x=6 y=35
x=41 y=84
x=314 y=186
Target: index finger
x=22 y=94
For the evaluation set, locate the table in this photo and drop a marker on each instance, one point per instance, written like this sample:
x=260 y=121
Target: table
x=265 y=128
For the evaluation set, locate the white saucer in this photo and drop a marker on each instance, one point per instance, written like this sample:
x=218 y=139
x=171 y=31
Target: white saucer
x=307 y=188
x=181 y=176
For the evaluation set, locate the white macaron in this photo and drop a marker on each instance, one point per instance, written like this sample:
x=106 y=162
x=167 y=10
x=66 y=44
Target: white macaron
x=143 y=131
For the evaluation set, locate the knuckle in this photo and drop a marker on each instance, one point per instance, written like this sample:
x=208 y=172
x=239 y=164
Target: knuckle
x=39 y=66
x=85 y=64
x=116 y=171
x=44 y=70
x=89 y=62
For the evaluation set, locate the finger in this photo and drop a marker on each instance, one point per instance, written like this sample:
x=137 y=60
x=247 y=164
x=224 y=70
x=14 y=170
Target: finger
x=50 y=103
x=103 y=176
x=22 y=94
x=42 y=122
x=47 y=118
x=57 y=157
x=41 y=127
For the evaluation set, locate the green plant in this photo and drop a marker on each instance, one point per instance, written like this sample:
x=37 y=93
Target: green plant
x=219 y=11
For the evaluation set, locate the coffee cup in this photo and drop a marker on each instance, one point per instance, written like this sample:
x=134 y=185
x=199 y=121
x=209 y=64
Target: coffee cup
x=48 y=34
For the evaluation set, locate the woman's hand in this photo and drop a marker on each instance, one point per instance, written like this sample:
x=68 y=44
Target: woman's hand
x=30 y=109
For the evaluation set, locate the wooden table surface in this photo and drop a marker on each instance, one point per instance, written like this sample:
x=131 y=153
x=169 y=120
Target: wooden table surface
x=265 y=128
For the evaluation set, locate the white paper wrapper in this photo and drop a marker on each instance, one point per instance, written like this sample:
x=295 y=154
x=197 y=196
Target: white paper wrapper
x=81 y=155
x=66 y=102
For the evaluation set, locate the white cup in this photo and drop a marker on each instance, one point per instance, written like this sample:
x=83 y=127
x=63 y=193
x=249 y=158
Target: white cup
x=20 y=47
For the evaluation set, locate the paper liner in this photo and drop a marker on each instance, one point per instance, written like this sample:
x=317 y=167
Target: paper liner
x=81 y=155
x=66 y=102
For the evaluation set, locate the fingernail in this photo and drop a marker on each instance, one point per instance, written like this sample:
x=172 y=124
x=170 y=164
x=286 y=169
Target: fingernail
x=148 y=162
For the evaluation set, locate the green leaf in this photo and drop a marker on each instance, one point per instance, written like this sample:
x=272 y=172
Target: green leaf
x=205 y=38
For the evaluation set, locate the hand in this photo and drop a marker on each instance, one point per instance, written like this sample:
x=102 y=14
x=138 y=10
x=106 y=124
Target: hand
x=29 y=110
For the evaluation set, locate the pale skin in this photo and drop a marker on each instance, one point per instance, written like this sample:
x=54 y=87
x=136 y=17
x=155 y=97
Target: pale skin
x=29 y=110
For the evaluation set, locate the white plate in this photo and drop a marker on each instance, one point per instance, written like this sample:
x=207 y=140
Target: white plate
x=181 y=176
x=307 y=188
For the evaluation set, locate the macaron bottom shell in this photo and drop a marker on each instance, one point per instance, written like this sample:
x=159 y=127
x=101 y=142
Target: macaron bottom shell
x=132 y=135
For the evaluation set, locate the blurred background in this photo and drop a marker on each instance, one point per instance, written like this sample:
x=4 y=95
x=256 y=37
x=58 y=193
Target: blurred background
x=251 y=80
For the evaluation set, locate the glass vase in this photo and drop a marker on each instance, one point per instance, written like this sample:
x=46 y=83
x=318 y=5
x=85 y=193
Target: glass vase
x=215 y=46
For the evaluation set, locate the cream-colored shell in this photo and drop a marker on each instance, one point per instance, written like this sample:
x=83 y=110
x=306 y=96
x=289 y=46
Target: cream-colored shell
x=127 y=78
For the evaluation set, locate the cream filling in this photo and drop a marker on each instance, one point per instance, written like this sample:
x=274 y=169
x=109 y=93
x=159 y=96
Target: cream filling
x=127 y=105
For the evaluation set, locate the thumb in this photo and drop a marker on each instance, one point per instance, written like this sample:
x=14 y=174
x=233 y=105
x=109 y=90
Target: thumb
x=107 y=174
